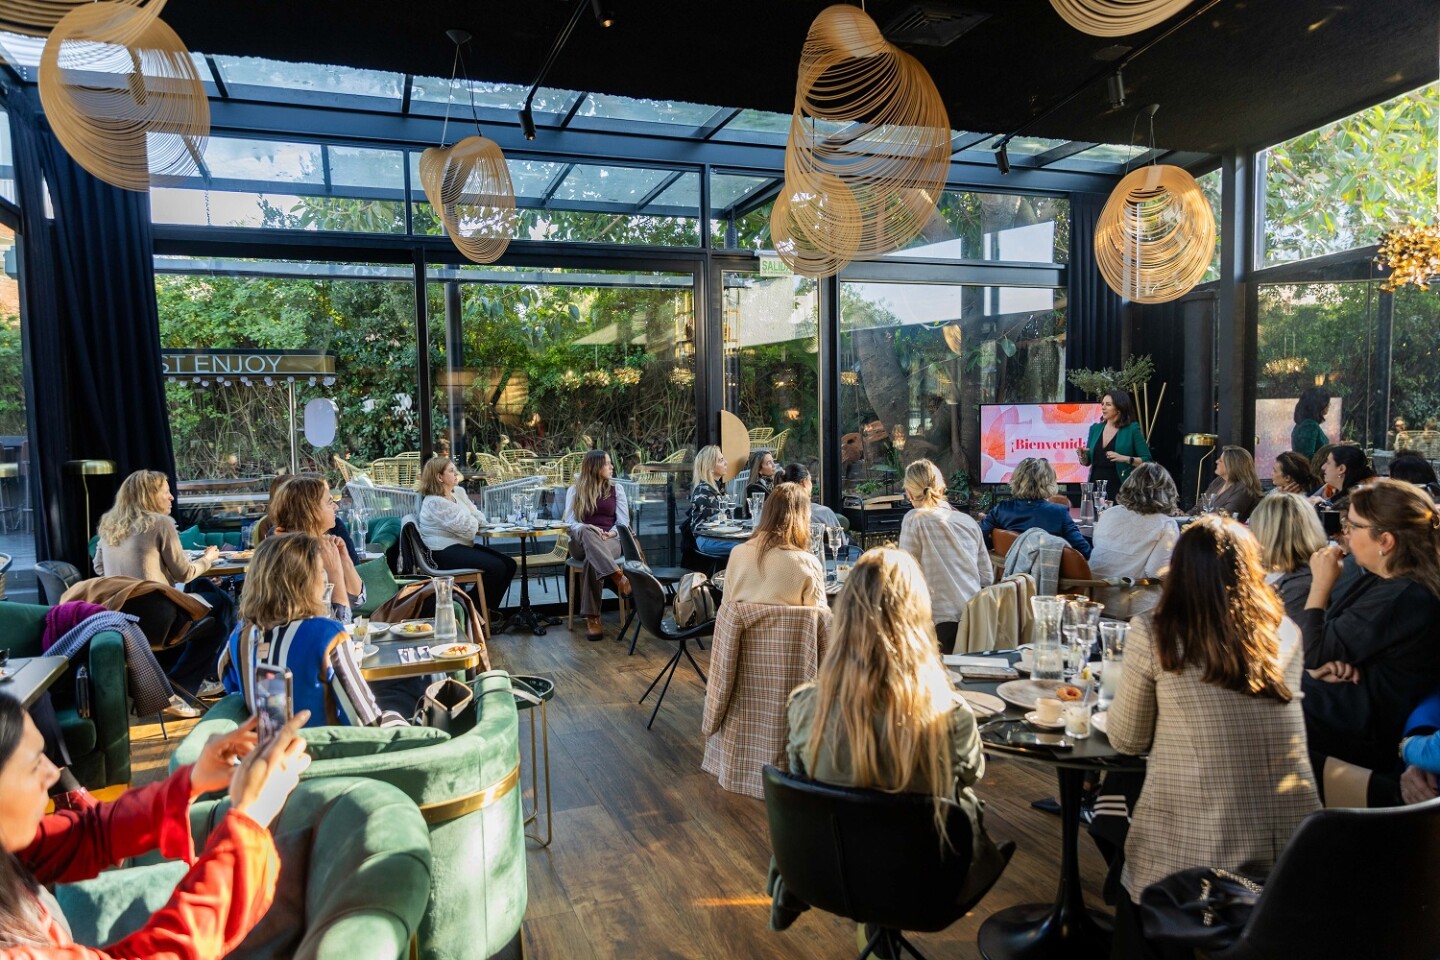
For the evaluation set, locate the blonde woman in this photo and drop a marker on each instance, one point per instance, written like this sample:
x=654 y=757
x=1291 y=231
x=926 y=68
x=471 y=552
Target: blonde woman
x=595 y=508
x=1290 y=533
x=302 y=504
x=1033 y=484
x=881 y=713
x=1236 y=488
x=139 y=539
x=775 y=565
x=448 y=522
x=284 y=622
x=947 y=545
x=709 y=480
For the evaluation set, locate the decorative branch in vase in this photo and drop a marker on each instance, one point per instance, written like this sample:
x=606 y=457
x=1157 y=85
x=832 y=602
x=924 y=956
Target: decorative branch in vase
x=1134 y=377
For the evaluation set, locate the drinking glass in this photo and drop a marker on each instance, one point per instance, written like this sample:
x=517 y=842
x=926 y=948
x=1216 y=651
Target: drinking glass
x=817 y=542
x=1049 y=655
x=1081 y=639
x=1112 y=642
x=757 y=503
x=835 y=537
x=517 y=507
x=360 y=528
x=1077 y=717
x=357 y=639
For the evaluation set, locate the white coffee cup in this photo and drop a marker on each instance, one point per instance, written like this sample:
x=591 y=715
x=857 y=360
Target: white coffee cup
x=1047 y=710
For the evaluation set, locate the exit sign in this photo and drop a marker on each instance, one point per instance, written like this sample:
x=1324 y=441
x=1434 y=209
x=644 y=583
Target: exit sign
x=774 y=267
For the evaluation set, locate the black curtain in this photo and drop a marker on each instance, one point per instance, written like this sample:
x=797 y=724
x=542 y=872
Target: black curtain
x=91 y=334
x=1093 y=330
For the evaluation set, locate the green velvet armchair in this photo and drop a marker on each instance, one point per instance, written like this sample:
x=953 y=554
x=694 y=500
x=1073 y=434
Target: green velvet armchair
x=467 y=787
x=354 y=873
x=99 y=745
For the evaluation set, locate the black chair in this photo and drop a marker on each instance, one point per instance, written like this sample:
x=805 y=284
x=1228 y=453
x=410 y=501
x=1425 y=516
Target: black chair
x=870 y=856
x=634 y=557
x=1376 y=873
x=649 y=599
x=54 y=578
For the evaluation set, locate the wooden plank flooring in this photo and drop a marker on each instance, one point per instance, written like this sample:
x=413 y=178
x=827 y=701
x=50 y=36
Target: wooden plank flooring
x=651 y=858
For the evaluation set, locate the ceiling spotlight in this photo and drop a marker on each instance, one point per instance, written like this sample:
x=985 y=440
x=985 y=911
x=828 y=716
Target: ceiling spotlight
x=527 y=121
x=604 y=15
x=1115 y=88
x=1002 y=157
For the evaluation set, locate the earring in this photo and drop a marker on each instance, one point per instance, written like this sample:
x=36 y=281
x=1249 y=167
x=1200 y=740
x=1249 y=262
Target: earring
x=1382 y=551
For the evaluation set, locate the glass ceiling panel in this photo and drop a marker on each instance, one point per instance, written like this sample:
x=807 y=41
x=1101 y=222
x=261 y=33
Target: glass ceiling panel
x=727 y=188
x=229 y=158
x=683 y=194
x=310 y=78
x=361 y=167
x=596 y=184
x=428 y=95
x=23 y=53
x=603 y=106
x=1110 y=153
x=530 y=178
x=756 y=121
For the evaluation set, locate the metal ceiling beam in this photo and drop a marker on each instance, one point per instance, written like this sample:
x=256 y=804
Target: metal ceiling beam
x=1061 y=152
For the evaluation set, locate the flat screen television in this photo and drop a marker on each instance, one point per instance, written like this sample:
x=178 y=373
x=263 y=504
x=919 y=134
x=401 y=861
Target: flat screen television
x=1010 y=432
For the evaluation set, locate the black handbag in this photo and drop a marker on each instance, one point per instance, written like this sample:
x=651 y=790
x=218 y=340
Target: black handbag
x=1204 y=908
x=449 y=705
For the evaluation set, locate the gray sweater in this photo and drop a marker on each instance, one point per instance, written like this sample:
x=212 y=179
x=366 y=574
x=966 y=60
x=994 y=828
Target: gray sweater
x=152 y=554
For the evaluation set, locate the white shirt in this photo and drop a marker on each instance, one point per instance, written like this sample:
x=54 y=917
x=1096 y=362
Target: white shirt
x=952 y=554
x=449 y=521
x=1130 y=544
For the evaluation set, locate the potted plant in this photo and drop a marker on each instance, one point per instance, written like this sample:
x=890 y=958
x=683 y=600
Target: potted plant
x=1134 y=378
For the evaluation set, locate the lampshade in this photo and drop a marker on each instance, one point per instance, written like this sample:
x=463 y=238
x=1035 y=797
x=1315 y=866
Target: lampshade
x=124 y=96
x=1116 y=18
x=36 y=18
x=816 y=231
x=469 y=186
x=1156 y=235
x=867 y=117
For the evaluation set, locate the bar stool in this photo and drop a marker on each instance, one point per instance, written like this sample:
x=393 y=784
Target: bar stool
x=530 y=693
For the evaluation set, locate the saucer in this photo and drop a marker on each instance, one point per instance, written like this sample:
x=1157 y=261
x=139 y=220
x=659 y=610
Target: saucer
x=1034 y=720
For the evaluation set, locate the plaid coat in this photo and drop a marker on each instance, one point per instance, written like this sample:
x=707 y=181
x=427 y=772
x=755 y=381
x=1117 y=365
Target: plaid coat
x=1228 y=779
x=760 y=653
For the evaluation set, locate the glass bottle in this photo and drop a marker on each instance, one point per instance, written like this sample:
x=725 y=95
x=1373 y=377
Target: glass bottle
x=445 y=629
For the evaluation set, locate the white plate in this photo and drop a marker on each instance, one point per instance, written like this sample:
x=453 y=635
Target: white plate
x=724 y=531
x=378 y=628
x=1025 y=693
x=407 y=631
x=1100 y=720
x=454 y=651
x=984 y=704
x=1034 y=720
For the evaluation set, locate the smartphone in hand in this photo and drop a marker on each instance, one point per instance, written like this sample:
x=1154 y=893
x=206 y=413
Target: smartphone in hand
x=274 y=701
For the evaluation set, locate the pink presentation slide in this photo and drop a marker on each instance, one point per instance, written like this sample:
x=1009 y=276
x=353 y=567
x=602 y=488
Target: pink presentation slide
x=1010 y=432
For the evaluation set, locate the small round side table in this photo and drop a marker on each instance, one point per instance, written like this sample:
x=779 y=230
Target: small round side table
x=543 y=689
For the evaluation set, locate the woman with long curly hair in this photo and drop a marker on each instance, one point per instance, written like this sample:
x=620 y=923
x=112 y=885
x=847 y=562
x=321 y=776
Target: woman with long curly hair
x=882 y=713
x=139 y=538
x=1209 y=693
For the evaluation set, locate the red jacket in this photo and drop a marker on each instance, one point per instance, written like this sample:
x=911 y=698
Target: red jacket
x=226 y=892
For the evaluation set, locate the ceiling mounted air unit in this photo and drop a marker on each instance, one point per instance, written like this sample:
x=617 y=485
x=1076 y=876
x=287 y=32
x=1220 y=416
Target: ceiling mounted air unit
x=931 y=23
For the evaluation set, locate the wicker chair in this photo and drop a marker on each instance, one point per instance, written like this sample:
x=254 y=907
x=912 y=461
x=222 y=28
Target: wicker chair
x=760 y=436
x=495 y=498
x=348 y=471
x=777 y=444
x=548 y=565
x=495 y=469
x=1425 y=442
x=379 y=501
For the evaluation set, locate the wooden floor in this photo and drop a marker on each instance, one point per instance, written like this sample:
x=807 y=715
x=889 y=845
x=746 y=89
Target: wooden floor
x=651 y=858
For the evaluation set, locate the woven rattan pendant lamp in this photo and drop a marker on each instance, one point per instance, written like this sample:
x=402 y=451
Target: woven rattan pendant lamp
x=469 y=183
x=124 y=96
x=36 y=18
x=867 y=119
x=1156 y=235
x=1116 y=18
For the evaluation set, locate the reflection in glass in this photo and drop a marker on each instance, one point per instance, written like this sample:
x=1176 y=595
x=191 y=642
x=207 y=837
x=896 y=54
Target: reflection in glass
x=916 y=360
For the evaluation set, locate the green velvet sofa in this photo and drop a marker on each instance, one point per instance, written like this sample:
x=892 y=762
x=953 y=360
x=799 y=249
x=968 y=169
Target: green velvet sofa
x=354 y=871
x=468 y=789
x=99 y=745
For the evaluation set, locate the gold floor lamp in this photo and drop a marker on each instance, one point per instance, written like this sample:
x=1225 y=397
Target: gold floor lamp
x=86 y=469
x=1201 y=440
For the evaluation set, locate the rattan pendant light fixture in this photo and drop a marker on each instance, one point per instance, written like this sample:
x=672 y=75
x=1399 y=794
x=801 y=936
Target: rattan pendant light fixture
x=36 y=18
x=1156 y=235
x=469 y=184
x=868 y=185
x=1116 y=18
x=124 y=96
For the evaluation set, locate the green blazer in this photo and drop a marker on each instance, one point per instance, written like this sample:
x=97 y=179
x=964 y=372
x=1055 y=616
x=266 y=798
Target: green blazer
x=1129 y=442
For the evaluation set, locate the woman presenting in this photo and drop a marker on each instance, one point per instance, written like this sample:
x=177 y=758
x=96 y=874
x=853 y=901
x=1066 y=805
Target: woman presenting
x=1116 y=446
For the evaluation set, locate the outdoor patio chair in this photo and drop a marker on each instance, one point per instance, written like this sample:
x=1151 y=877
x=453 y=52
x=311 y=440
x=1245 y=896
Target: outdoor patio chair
x=54 y=577
x=383 y=501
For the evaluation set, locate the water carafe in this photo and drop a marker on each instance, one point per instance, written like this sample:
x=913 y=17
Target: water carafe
x=1087 y=503
x=444 y=609
x=1049 y=653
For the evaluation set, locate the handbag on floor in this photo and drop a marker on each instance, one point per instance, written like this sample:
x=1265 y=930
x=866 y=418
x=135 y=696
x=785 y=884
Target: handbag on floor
x=1205 y=908
x=449 y=705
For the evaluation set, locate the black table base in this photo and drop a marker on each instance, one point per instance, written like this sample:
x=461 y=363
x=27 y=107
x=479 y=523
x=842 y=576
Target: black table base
x=526 y=616
x=1065 y=928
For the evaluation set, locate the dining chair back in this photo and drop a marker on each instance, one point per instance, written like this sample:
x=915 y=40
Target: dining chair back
x=1075 y=575
x=54 y=578
x=871 y=857
x=649 y=599
x=417 y=560
x=1380 y=868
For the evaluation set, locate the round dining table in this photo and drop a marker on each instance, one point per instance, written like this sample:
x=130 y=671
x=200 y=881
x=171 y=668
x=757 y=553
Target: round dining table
x=1066 y=927
x=525 y=615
